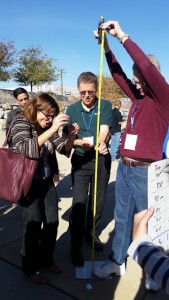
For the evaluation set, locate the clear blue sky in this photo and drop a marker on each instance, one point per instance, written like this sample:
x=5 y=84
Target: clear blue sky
x=64 y=30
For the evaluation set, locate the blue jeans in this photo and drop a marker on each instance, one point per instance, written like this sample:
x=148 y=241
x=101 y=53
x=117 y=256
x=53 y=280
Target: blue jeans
x=115 y=140
x=131 y=197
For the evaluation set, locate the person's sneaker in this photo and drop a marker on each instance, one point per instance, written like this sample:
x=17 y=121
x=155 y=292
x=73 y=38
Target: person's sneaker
x=151 y=285
x=98 y=245
x=77 y=257
x=108 y=268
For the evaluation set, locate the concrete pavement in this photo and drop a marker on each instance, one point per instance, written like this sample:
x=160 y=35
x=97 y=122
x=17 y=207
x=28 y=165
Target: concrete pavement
x=14 y=285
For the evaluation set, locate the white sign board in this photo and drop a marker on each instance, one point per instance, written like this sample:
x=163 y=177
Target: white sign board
x=158 y=196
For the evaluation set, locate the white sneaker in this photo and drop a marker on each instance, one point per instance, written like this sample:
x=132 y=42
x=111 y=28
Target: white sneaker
x=108 y=268
x=151 y=285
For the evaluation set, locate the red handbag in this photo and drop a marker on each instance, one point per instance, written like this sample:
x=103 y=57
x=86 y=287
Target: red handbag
x=16 y=173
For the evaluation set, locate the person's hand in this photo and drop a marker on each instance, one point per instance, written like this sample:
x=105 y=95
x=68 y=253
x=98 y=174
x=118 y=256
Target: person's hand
x=166 y=169
x=113 y=28
x=102 y=148
x=60 y=120
x=56 y=178
x=73 y=129
x=106 y=44
x=86 y=146
x=141 y=222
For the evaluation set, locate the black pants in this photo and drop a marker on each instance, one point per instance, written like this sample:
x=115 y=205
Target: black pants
x=83 y=171
x=40 y=215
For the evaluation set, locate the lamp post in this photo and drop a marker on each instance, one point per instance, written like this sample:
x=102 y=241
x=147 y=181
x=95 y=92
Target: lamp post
x=61 y=80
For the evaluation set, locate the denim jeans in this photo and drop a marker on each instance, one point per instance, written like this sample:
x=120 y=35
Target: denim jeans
x=115 y=140
x=130 y=197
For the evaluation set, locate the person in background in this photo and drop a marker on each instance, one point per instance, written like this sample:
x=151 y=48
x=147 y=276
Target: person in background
x=22 y=97
x=35 y=135
x=142 y=248
x=141 y=143
x=84 y=113
x=115 y=129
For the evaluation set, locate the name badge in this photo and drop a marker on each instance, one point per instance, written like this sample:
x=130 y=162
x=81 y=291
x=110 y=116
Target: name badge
x=89 y=139
x=130 y=142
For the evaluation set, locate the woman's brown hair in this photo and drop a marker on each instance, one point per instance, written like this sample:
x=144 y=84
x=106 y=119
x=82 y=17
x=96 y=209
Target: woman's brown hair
x=40 y=102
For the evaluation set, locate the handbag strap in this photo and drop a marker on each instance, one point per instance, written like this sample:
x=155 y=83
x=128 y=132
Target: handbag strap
x=5 y=144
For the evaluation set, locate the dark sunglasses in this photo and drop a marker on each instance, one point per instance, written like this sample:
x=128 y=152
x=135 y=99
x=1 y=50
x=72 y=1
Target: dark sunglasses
x=90 y=93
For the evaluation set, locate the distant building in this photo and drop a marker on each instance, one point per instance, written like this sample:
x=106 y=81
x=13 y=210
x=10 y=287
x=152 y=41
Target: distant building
x=67 y=91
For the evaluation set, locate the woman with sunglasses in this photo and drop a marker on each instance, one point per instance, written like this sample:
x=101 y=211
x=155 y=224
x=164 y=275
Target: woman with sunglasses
x=35 y=135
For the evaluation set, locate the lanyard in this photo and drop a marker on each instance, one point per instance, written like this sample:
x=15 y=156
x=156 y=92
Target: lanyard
x=90 y=120
x=133 y=115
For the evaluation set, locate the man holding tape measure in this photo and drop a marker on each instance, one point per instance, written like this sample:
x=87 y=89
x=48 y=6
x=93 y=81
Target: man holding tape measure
x=85 y=112
x=142 y=142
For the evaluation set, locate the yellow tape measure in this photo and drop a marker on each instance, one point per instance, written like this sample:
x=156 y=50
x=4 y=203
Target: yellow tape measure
x=100 y=41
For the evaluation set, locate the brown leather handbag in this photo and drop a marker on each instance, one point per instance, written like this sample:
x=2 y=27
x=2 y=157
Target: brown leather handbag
x=16 y=173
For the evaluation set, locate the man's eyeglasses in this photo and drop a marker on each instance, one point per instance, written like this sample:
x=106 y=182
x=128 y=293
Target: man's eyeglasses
x=137 y=82
x=47 y=116
x=90 y=93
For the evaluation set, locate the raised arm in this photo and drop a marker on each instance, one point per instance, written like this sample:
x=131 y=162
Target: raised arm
x=155 y=82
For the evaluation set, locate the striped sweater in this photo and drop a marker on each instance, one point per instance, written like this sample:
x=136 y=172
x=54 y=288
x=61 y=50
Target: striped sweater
x=23 y=139
x=151 y=259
